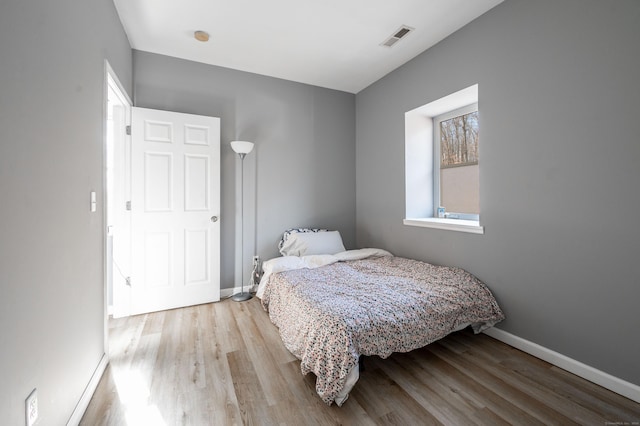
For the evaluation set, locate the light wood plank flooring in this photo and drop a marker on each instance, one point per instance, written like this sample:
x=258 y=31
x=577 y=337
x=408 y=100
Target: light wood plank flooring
x=224 y=364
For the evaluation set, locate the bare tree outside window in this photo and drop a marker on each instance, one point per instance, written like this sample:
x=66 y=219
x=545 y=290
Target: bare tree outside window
x=459 y=140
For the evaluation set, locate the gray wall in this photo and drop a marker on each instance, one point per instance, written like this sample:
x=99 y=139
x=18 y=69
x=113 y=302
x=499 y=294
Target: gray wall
x=301 y=172
x=51 y=246
x=559 y=170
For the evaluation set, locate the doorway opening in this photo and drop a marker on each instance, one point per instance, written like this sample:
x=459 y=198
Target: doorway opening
x=117 y=194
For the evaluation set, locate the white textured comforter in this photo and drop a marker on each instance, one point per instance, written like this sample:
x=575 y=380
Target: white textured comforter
x=291 y=263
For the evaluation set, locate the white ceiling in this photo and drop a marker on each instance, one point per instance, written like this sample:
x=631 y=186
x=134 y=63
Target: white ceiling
x=327 y=43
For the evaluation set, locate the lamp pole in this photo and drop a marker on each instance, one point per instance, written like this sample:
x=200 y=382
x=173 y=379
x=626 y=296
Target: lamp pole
x=242 y=148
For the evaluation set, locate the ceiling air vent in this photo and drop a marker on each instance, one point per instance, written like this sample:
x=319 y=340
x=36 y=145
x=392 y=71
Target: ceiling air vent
x=397 y=35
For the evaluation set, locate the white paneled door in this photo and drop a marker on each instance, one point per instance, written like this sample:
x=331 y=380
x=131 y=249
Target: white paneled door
x=175 y=207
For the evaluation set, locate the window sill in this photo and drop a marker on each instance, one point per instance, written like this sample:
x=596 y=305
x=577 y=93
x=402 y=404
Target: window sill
x=470 y=226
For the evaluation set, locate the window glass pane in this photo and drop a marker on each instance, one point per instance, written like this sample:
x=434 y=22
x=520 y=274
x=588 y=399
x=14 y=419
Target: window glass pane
x=459 y=173
x=459 y=140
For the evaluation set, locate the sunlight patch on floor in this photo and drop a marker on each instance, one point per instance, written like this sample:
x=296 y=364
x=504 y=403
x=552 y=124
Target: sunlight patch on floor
x=134 y=395
x=149 y=415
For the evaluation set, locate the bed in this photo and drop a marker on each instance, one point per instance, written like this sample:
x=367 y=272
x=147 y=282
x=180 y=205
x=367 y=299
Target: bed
x=333 y=305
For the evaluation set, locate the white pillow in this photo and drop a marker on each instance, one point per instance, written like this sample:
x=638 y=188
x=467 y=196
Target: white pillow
x=308 y=243
x=291 y=231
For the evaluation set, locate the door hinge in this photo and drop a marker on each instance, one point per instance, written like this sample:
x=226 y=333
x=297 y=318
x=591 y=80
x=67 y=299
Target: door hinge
x=128 y=130
x=128 y=205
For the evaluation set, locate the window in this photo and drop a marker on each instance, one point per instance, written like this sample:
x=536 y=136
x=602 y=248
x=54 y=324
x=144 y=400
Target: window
x=456 y=183
x=442 y=163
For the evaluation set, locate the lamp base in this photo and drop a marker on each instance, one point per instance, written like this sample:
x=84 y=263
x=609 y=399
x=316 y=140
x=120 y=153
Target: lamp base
x=241 y=297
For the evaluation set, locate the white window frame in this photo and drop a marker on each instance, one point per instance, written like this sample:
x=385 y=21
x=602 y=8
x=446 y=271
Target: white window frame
x=436 y=161
x=420 y=206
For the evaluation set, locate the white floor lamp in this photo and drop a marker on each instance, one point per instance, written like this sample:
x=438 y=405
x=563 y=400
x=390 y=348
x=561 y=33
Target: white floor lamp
x=242 y=148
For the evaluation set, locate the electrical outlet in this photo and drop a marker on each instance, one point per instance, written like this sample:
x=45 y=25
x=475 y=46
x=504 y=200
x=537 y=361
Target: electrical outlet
x=255 y=274
x=31 y=408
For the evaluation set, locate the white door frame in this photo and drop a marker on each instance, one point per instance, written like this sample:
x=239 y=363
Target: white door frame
x=112 y=82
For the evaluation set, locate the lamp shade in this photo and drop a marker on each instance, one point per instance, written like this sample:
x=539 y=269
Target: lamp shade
x=242 y=147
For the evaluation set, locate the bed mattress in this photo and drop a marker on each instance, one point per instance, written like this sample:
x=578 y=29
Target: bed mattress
x=330 y=315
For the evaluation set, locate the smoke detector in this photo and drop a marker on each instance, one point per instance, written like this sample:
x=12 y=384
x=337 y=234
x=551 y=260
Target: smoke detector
x=397 y=35
x=201 y=35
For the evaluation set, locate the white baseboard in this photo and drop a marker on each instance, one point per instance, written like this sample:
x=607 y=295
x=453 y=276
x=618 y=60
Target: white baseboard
x=591 y=374
x=82 y=405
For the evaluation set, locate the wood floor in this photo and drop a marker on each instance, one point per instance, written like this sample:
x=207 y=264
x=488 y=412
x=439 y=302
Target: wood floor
x=224 y=364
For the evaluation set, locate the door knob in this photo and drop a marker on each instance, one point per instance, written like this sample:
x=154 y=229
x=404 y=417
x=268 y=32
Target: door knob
x=214 y=219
